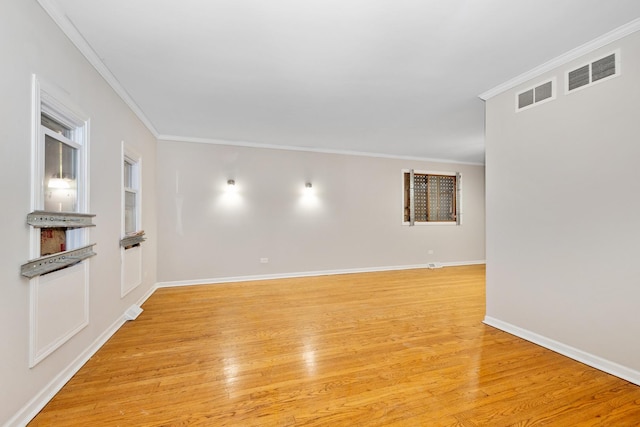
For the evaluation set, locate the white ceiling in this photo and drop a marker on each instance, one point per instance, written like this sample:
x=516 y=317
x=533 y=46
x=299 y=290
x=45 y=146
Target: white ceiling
x=392 y=77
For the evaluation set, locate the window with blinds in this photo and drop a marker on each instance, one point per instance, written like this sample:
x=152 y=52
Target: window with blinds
x=431 y=198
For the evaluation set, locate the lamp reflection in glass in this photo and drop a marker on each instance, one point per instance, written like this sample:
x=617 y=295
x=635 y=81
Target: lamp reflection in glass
x=60 y=161
x=58 y=183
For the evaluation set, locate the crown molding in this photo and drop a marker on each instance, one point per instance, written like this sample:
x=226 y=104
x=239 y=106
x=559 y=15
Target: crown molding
x=70 y=30
x=569 y=56
x=214 y=141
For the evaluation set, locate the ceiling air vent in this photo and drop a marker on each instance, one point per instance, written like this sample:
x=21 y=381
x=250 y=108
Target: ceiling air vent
x=595 y=71
x=535 y=95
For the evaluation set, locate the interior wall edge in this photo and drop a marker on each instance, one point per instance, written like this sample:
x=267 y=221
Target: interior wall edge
x=589 y=359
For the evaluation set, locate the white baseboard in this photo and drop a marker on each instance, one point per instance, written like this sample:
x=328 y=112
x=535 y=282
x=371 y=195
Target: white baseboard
x=250 y=278
x=35 y=405
x=39 y=401
x=147 y=295
x=589 y=359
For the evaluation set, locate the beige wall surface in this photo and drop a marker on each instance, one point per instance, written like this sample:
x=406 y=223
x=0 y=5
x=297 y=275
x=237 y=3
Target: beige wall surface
x=30 y=43
x=194 y=230
x=354 y=221
x=563 y=229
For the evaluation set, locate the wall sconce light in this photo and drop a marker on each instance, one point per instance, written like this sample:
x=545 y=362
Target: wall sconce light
x=308 y=197
x=231 y=189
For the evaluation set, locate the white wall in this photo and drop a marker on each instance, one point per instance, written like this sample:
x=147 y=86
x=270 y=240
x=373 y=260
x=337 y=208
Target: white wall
x=355 y=222
x=31 y=43
x=563 y=222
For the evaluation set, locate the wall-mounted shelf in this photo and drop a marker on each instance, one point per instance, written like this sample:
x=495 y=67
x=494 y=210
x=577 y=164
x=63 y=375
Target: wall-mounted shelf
x=45 y=219
x=49 y=263
x=132 y=240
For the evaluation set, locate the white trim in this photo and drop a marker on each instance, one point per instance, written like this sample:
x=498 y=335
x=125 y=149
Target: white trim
x=69 y=29
x=251 y=278
x=130 y=261
x=430 y=172
x=49 y=99
x=563 y=59
x=133 y=255
x=131 y=156
x=46 y=98
x=37 y=163
x=61 y=138
x=618 y=72
x=85 y=49
x=36 y=352
x=430 y=223
x=214 y=141
x=594 y=361
x=35 y=405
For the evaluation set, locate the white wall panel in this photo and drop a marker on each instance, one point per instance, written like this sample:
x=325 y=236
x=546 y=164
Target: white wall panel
x=131 y=269
x=59 y=308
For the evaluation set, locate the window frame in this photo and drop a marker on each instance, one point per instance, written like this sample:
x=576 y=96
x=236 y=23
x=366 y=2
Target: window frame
x=458 y=198
x=48 y=101
x=135 y=160
x=51 y=324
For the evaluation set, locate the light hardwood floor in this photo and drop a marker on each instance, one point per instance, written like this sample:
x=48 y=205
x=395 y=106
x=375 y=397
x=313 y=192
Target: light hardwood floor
x=403 y=348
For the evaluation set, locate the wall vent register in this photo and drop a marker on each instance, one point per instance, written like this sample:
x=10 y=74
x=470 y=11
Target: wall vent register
x=593 y=72
x=535 y=95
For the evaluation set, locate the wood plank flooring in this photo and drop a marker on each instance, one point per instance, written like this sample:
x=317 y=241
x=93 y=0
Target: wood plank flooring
x=403 y=348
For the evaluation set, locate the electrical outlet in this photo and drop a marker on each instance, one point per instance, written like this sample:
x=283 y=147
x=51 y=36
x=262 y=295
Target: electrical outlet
x=430 y=252
x=264 y=260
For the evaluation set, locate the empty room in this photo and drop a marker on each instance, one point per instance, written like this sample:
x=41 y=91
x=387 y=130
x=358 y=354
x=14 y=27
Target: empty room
x=320 y=213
